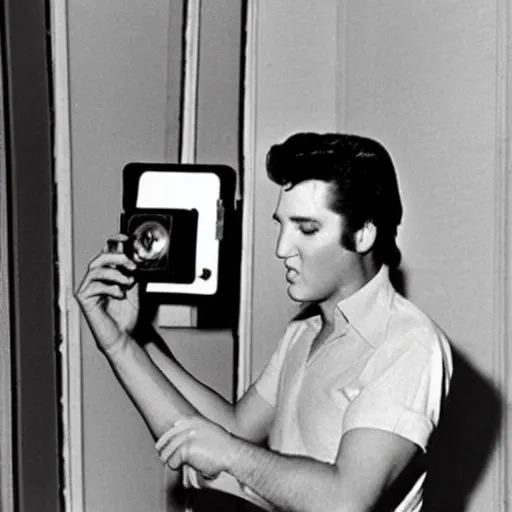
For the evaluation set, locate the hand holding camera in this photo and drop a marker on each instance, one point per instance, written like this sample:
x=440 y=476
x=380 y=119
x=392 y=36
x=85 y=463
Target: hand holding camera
x=109 y=294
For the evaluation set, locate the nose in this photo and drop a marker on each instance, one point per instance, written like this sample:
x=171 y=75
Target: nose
x=284 y=246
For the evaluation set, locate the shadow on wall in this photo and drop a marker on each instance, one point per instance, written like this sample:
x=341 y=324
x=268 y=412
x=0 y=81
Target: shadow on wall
x=465 y=440
x=464 y=443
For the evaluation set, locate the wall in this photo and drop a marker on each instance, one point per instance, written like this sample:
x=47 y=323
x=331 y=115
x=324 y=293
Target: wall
x=296 y=90
x=125 y=66
x=421 y=77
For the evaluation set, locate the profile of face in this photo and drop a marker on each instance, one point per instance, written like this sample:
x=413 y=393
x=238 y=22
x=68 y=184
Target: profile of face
x=318 y=268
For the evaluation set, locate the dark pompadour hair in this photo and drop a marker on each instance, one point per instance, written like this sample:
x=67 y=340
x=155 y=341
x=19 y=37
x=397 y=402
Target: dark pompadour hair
x=362 y=175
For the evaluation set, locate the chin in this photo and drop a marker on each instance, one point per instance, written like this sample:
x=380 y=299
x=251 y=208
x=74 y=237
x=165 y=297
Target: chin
x=297 y=295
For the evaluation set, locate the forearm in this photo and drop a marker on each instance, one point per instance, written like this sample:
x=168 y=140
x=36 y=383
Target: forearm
x=209 y=403
x=159 y=402
x=289 y=482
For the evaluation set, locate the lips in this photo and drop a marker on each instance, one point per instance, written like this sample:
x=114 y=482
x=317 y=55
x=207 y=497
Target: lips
x=291 y=274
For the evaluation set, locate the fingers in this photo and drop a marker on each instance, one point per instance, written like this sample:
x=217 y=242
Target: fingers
x=99 y=290
x=115 y=243
x=110 y=267
x=174 y=454
x=191 y=441
x=186 y=476
x=191 y=478
x=113 y=259
x=177 y=426
x=108 y=275
x=172 y=441
x=103 y=281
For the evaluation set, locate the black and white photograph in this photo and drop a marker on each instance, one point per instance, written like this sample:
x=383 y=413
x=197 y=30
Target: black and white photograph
x=255 y=256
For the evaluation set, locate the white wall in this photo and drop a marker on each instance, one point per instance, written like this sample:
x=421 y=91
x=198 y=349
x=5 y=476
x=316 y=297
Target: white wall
x=420 y=77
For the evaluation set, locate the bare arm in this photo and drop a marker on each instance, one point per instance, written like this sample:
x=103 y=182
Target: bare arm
x=159 y=402
x=108 y=297
x=368 y=462
x=159 y=387
x=249 y=418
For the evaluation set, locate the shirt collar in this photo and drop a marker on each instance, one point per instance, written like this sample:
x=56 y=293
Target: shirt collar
x=367 y=310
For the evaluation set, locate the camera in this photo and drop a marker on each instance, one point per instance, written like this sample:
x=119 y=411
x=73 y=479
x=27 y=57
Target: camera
x=184 y=236
x=162 y=242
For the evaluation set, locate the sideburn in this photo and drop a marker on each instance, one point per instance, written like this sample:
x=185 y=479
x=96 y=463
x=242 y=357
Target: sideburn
x=348 y=239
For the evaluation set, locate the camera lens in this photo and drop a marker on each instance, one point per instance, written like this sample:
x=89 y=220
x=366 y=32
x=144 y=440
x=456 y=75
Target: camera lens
x=150 y=242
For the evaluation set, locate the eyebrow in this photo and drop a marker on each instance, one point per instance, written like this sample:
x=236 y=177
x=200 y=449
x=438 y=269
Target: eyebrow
x=296 y=218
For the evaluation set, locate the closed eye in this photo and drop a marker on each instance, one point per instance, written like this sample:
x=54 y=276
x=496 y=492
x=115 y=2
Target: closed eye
x=308 y=228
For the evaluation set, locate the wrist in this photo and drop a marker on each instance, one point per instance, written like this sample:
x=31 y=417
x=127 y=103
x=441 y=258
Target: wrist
x=116 y=347
x=235 y=453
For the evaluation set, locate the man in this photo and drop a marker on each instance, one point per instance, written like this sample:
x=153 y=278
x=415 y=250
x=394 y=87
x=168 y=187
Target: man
x=340 y=418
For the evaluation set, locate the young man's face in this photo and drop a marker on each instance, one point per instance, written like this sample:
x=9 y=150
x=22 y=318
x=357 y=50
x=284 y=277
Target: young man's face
x=318 y=268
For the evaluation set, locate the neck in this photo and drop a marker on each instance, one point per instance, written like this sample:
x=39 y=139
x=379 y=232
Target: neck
x=365 y=269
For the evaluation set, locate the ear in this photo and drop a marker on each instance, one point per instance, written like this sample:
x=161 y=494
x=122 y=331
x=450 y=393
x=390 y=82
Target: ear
x=365 y=237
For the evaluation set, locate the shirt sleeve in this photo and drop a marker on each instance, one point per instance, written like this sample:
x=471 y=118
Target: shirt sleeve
x=267 y=384
x=402 y=391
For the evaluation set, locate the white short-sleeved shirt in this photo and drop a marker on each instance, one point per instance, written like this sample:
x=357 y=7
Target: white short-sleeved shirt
x=386 y=366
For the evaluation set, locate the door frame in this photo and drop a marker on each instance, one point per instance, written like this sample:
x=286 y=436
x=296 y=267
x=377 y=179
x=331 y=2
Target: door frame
x=6 y=468
x=502 y=286
x=28 y=228
x=69 y=315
